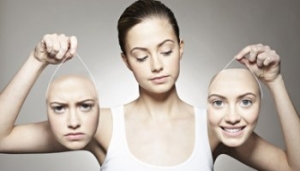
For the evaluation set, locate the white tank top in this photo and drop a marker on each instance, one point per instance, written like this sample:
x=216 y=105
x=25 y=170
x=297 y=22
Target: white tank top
x=119 y=157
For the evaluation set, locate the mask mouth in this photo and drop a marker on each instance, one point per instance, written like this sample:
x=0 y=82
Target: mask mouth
x=234 y=129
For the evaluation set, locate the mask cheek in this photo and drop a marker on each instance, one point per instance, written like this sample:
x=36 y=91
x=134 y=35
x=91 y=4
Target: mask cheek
x=214 y=123
x=214 y=118
x=91 y=127
x=58 y=135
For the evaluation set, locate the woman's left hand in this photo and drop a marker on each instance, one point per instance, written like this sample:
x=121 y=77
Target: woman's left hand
x=261 y=60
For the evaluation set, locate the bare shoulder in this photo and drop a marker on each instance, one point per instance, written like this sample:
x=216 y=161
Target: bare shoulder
x=259 y=154
x=99 y=145
x=104 y=130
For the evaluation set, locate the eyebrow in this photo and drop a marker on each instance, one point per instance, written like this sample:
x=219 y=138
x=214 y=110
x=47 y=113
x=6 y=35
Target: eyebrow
x=82 y=101
x=145 y=49
x=246 y=94
x=216 y=95
x=240 y=96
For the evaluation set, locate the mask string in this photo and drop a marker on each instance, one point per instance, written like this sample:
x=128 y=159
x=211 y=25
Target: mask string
x=257 y=80
x=85 y=66
x=90 y=73
x=228 y=63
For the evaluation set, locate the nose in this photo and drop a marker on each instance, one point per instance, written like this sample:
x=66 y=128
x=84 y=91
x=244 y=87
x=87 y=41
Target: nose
x=232 y=116
x=73 y=120
x=156 y=64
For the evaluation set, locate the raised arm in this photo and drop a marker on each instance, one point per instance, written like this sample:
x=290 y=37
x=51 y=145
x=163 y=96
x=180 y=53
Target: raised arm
x=35 y=137
x=256 y=152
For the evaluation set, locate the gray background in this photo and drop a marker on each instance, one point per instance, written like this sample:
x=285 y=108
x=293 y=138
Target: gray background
x=213 y=31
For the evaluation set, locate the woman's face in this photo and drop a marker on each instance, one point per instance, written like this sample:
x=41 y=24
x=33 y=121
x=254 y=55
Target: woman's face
x=153 y=54
x=73 y=111
x=233 y=106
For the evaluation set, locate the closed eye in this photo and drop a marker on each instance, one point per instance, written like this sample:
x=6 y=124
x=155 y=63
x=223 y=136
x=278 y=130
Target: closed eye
x=167 y=53
x=142 y=59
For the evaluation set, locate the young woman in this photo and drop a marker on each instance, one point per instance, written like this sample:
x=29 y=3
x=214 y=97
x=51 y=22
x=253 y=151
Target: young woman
x=157 y=131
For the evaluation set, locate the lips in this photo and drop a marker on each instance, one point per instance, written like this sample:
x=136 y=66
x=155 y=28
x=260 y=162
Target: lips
x=74 y=136
x=233 y=131
x=159 y=80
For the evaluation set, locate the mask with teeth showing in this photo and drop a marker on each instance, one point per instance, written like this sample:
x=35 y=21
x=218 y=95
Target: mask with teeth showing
x=233 y=105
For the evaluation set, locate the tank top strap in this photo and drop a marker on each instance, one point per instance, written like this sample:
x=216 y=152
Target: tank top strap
x=116 y=148
x=202 y=133
x=118 y=135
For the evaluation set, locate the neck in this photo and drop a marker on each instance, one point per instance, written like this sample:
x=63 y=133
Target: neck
x=159 y=105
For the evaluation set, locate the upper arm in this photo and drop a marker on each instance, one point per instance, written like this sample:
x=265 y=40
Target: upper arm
x=259 y=154
x=31 y=138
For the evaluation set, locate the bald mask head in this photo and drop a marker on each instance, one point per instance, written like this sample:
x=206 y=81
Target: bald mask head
x=233 y=105
x=73 y=110
x=234 y=79
x=69 y=85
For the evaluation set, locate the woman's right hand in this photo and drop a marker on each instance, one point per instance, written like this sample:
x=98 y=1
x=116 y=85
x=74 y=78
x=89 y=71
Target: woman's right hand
x=55 y=48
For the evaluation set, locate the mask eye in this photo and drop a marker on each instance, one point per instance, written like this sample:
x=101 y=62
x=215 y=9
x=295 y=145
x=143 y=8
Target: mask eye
x=58 y=109
x=218 y=103
x=246 y=103
x=85 y=107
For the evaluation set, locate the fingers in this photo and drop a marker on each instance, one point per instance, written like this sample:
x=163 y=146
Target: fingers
x=251 y=52
x=260 y=54
x=271 y=58
x=256 y=50
x=59 y=47
x=72 y=48
x=48 y=43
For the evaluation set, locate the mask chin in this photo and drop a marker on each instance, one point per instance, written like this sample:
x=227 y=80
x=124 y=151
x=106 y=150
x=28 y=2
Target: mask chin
x=230 y=141
x=75 y=145
x=233 y=143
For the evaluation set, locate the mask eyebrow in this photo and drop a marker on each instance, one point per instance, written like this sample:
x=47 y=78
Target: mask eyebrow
x=58 y=103
x=239 y=97
x=217 y=95
x=78 y=102
x=246 y=94
x=86 y=101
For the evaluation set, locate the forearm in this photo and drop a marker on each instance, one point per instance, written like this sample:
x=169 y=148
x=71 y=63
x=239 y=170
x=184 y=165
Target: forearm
x=15 y=93
x=289 y=120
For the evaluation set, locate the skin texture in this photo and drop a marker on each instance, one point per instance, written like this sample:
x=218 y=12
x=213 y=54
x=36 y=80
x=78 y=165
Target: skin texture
x=73 y=111
x=153 y=56
x=233 y=105
x=159 y=54
x=158 y=112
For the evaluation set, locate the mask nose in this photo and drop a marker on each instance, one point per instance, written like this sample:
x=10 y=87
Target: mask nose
x=232 y=116
x=73 y=120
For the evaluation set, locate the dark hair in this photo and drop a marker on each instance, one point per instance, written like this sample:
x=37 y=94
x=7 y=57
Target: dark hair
x=140 y=10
